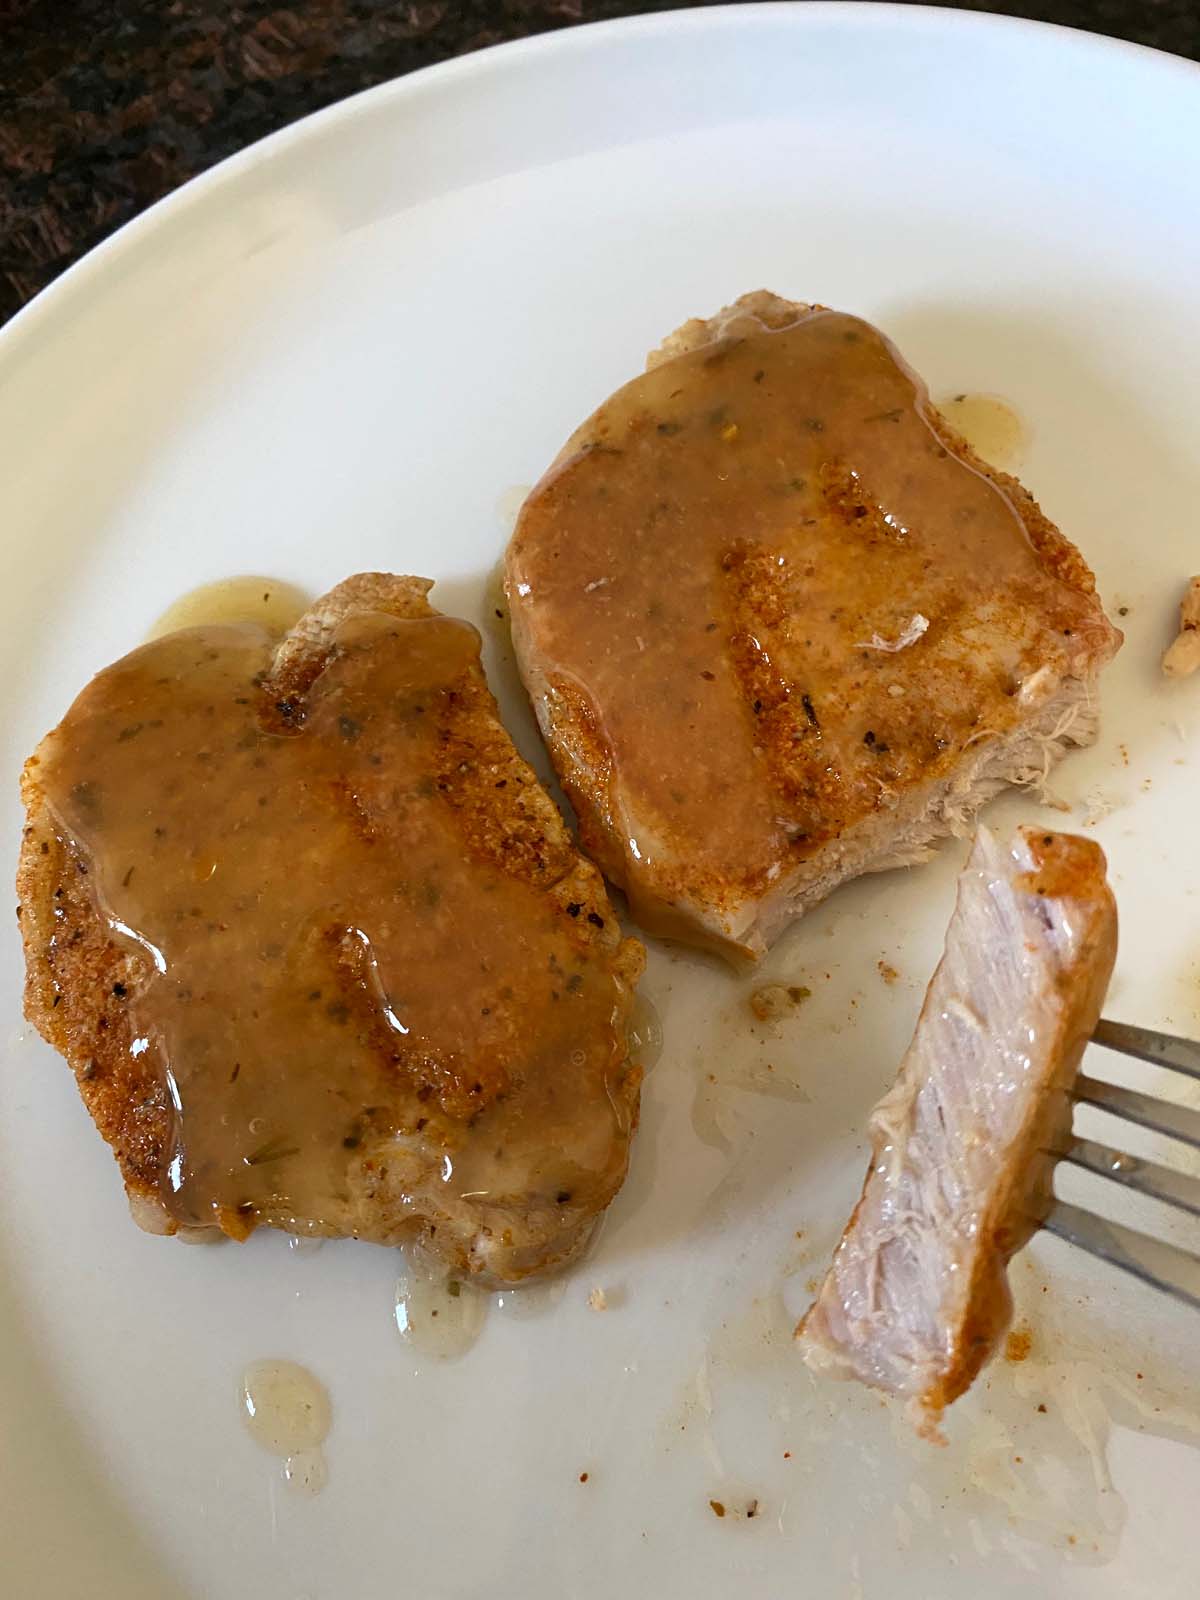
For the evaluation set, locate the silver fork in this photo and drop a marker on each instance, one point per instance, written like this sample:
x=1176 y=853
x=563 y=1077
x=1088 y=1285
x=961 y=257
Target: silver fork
x=1165 y=1266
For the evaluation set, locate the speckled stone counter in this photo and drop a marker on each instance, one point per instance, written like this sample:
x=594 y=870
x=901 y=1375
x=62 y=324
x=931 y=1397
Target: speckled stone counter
x=105 y=105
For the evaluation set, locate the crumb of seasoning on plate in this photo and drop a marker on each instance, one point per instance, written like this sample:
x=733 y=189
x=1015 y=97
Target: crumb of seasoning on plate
x=1018 y=1344
x=598 y=1300
x=717 y=1509
x=773 y=1001
x=583 y=1477
x=752 y=1509
x=887 y=971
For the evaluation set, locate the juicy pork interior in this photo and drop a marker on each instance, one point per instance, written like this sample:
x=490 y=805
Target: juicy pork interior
x=318 y=946
x=781 y=626
x=917 y=1295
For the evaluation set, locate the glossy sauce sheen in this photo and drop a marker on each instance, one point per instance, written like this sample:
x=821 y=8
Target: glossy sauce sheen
x=724 y=569
x=331 y=970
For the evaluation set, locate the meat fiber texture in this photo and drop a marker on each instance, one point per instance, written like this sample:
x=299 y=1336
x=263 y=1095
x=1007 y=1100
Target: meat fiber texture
x=917 y=1295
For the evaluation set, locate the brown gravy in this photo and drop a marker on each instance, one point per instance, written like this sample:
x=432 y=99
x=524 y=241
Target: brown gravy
x=738 y=569
x=336 y=963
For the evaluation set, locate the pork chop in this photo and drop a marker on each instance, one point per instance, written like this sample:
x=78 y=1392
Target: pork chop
x=917 y=1297
x=781 y=626
x=318 y=946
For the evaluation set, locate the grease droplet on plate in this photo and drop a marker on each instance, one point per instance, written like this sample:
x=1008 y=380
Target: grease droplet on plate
x=267 y=601
x=529 y=1300
x=305 y=1472
x=436 y=1314
x=645 y=1033
x=285 y=1408
x=990 y=425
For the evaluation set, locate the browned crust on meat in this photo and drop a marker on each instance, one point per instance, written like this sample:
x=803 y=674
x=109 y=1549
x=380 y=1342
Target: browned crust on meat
x=77 y=978
x=1059 y=555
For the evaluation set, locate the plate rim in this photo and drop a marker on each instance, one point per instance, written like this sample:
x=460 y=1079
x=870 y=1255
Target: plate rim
x=509 y=54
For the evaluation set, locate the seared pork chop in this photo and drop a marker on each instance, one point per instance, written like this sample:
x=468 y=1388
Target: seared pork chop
x=781 y=626
x=917 y=1297
x=318 y=947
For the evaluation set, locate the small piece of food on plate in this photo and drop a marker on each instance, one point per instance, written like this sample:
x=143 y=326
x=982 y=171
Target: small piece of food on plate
x=1182 y=655
x=319 y=948
x=781 y=626
x=917 y=1296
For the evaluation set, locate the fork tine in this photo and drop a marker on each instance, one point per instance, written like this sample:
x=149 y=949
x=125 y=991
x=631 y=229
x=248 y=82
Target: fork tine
x=1164 y=1266
x=1178 y=1122
x=1163 y=1049
x=1146 y=1177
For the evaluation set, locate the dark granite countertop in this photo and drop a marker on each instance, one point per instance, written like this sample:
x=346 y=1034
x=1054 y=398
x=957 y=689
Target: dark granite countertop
x=105 y=105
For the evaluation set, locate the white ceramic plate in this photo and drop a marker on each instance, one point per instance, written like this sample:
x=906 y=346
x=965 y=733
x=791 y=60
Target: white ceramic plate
x=343 y=350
